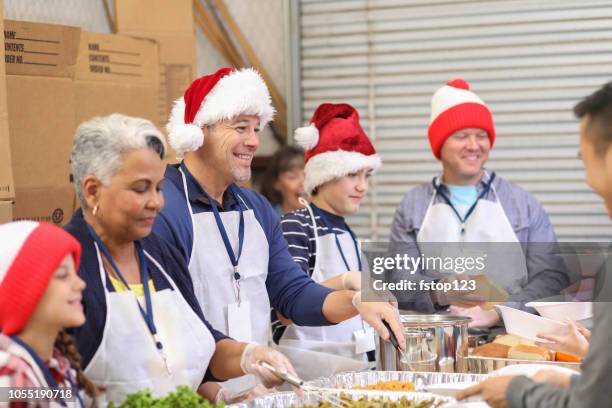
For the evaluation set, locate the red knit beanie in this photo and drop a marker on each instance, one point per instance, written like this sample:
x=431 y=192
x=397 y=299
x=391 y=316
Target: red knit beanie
x=30 y=253
x=455 y=107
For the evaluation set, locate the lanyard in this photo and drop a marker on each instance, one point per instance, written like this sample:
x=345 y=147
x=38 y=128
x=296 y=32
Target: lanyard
x=471 y=209
x=147 y=314
x=323 y=217
x=51 y=382
x=234 y=258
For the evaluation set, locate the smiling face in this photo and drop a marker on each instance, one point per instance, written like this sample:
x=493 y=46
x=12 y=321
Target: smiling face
x=463 y=156
x=230 y=147
x=290 y=184
x=129 y=204
x=343 y=195
x=60 y=305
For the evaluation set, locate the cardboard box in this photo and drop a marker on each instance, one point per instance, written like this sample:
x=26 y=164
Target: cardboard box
x=7 y=187
x=116 y=73
x=41 y=130
x=58 y=77
x=40 y=65
x=54 y=205
x=154 y=15
x=171 y=24
x=6 y=211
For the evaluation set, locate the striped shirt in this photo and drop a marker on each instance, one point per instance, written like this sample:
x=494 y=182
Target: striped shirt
x=298 y=231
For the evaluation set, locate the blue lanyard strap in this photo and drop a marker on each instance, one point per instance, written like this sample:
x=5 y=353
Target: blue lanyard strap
x=234 y=258
x=46 y=372
x=323 y=218
x=463 y=220
x=147 y=314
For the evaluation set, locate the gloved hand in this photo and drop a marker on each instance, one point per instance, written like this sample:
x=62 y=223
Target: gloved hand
x=229 y=397
x=351 y=280
x=375 y=312
x=253 y=353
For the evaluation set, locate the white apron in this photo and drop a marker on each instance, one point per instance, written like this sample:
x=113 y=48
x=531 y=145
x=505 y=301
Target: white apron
x=326 y=350
x=212 y=275
x=488 y=223
x=127 y=360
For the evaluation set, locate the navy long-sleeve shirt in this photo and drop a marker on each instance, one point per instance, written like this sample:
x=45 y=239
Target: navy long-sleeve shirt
x=290 y=291
x=89 y=336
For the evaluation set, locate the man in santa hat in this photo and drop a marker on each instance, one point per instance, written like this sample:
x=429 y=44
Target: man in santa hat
x=231 y=236
x=468 y=203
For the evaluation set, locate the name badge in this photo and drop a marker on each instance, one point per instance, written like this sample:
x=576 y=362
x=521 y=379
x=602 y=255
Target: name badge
x=364 y=340
x=239 y=321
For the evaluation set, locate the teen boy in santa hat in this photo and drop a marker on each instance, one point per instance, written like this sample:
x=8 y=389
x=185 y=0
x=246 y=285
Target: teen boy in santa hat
x=338 y=163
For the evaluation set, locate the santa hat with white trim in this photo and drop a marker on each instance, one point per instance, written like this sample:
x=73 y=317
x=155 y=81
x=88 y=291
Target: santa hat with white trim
x=210 y=99
x=335 y=145
x=30 y=253
x=455 y=107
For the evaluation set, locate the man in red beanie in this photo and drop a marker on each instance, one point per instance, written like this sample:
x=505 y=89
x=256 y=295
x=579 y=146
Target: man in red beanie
x=468 y=203
x=231 y=236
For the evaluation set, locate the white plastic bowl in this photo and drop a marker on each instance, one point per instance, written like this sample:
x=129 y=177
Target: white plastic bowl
x=528 y=325
x=562 y=311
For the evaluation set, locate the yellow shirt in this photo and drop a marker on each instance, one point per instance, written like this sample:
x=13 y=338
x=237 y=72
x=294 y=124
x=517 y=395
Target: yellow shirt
x=137 y=288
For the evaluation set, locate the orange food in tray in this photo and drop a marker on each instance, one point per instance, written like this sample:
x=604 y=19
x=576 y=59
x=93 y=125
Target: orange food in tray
x=392 y=385
x=568 y=358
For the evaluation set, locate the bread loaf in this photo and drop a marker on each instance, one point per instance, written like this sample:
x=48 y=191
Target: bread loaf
x=527 y=352
x=495 y=350
x=508 y=339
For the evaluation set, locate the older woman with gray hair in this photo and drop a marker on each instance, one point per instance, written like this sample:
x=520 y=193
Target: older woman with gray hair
x=145 y=328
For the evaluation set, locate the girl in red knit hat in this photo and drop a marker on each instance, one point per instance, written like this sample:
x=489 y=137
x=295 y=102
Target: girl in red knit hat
x=40 y=296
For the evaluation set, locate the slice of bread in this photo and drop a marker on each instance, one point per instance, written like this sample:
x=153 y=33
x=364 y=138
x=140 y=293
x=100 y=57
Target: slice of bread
x=508 y=339
x=495 y=350
x=527 y=352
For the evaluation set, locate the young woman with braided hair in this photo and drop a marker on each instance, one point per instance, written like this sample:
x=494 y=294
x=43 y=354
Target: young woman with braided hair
x=40 y=296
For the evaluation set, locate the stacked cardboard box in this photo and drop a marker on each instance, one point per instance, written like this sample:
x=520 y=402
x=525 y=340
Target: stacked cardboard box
x=58 y=77
x=170 y=23
x=7 y=190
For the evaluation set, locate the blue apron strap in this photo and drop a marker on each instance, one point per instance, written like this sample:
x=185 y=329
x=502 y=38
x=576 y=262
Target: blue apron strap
x=233 y=257
x=463 y=220
x=323 y=218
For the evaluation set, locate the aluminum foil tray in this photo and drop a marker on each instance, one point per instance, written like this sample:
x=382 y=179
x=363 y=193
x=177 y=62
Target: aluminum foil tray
x=360 y=379
x=289 y=399
x=485 y=365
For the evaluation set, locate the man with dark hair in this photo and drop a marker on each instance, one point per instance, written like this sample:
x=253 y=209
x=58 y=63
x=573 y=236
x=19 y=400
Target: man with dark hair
x=592 y=388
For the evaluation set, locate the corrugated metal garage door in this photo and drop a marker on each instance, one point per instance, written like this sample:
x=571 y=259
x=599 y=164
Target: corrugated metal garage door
x=530 y=61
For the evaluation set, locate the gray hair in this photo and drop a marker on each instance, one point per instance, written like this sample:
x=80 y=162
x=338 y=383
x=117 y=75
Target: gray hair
x=100 y=143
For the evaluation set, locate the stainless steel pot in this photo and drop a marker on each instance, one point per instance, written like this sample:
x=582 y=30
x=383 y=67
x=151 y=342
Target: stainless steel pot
x=433 y=343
